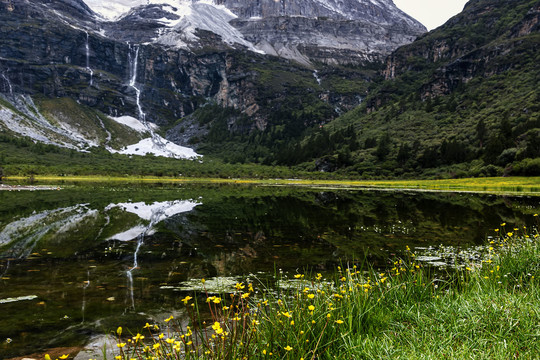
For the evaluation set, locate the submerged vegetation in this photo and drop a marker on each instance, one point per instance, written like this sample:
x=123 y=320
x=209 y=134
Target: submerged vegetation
x=486 y=308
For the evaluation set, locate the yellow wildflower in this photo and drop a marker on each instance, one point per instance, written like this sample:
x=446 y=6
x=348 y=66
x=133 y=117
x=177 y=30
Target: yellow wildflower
x=239 y=286
x=288 y=348
x=121 y=345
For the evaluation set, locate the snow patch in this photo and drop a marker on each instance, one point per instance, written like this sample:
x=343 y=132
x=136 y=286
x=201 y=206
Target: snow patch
x=150 y=146
x=111 y=10
x=29 y=122
x=192 y=15
x=134 y=123
x=202 y=15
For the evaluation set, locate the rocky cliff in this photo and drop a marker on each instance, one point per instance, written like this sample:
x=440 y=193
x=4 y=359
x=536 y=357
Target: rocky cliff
x=307 y=31
x=486 y=39
x=327 y=31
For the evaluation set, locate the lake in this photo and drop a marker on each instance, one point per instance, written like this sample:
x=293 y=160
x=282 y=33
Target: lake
x=80 y=261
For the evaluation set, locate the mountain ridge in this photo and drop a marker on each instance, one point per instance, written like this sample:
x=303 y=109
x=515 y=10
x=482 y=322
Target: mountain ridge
x=62 y=49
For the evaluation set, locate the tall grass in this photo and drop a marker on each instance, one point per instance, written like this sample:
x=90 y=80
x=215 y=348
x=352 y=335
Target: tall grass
x=484 y=310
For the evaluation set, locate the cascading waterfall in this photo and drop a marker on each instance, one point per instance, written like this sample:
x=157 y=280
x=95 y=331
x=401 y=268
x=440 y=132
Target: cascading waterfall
x=88 y=60
x=6 y=80
x=316 y=76
x=133 y=60
x=109 y=135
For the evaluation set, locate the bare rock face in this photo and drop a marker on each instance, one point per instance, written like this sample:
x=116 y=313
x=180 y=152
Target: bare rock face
x=326 y=31
x=307 y=31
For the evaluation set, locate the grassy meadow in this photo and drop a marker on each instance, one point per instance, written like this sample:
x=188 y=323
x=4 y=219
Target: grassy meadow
x=507 y=185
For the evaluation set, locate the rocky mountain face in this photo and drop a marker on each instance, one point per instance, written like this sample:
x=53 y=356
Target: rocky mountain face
x=327 y=31
x=462 y=100
x=475 y=43
x=160 y=61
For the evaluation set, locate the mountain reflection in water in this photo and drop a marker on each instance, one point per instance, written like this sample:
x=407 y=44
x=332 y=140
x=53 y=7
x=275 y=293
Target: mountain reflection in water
x=88 y=259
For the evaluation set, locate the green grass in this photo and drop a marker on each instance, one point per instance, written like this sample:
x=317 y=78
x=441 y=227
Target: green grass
x=487 y=309
x=498 y=185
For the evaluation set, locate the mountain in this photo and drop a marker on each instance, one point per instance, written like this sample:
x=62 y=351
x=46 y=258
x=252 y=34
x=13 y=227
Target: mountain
x=163 y=78
x=329 y=31
x=461 y=100
x=130 y=76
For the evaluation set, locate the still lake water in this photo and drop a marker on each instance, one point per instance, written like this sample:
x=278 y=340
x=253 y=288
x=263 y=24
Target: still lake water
x=81 y=261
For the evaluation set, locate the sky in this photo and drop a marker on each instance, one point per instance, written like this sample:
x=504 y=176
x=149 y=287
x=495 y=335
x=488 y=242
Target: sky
x=431 y=13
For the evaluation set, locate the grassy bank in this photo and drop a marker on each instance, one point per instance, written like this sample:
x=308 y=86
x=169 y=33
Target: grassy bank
x=488 y=308
x=510 y=185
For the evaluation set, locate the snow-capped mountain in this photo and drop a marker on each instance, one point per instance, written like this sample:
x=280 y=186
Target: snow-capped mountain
x=352 y=31
x=73 y=71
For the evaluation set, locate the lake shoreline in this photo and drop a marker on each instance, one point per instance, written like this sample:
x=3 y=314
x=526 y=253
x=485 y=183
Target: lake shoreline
x=527 y=186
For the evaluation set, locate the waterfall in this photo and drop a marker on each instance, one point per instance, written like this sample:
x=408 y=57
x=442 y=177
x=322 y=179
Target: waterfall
x=315 y=75
x=6 y=79
x=109 y=135
x=88 y=60
x=133 y=62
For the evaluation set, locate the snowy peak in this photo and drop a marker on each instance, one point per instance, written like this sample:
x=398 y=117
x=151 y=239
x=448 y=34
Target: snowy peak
x=362 y=30
x=170 y=23
x=382 y=12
